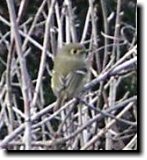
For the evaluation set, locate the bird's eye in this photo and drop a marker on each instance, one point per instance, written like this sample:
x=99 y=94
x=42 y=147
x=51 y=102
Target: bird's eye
x=73 y=51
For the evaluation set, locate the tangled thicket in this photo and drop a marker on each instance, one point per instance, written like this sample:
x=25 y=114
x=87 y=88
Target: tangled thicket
x=106 y=117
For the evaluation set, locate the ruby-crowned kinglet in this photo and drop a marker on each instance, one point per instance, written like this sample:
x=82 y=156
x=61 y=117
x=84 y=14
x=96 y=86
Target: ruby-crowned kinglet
x=69 y=72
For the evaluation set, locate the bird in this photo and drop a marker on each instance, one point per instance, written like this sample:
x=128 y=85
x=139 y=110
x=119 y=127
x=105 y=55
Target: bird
x=69 y=72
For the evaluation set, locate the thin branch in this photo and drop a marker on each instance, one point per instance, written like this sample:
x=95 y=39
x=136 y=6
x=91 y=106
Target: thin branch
x=24 y=75
x=43 y=58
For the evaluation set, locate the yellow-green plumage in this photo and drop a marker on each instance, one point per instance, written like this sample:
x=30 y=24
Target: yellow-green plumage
x=69 y=71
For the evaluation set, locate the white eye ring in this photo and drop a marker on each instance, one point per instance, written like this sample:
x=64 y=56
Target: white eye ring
x=73 y=51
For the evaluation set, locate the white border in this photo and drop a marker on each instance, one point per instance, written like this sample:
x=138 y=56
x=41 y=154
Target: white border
x=143 y=81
